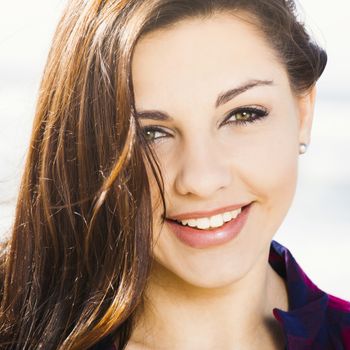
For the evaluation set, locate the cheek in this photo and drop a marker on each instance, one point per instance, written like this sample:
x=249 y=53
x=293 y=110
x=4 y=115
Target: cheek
x=273 y=166
x=267 y=160
x=269 y=168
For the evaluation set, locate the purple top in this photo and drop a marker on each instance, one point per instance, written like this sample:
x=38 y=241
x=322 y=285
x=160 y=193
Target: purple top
x=316 y=320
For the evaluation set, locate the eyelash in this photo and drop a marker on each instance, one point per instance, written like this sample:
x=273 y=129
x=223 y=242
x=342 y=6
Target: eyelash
x=257 y=113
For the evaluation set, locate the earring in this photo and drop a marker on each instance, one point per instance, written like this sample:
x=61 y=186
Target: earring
x=302 y=148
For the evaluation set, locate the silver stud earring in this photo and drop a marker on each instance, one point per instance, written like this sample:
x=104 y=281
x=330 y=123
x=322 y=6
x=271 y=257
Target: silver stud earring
x=302 y=148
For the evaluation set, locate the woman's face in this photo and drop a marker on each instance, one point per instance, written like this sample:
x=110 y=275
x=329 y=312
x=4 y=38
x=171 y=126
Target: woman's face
x=216 y=106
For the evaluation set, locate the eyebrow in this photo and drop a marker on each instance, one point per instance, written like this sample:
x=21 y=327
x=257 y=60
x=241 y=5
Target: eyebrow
x=222 y=98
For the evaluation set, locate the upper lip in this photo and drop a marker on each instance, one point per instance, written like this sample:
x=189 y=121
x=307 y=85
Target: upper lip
x=204 y=214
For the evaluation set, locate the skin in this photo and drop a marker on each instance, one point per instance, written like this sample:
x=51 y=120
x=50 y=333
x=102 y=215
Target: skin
x=219 y=297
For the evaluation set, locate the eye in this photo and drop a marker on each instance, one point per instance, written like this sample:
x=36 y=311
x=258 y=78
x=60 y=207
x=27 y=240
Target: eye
x=245 y=115
x=153 y=133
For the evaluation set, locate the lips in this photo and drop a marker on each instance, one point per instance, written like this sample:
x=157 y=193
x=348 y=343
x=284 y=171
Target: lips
x=205 y=238
x=201 y=214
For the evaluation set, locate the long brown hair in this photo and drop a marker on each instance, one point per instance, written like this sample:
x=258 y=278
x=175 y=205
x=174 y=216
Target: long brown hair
x=77 y=264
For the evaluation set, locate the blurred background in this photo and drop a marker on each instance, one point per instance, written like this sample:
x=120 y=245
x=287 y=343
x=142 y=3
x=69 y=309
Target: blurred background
x=317 y=228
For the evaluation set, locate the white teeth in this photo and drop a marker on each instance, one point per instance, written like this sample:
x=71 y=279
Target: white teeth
x=235 y=213
x=216 y=220
x=192 y=223
x=203 y=223
x=227 y=216
x=213 y=221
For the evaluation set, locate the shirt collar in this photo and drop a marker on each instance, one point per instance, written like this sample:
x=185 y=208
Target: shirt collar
x=307 y=303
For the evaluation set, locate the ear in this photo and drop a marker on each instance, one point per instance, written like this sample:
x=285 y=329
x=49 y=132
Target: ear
x=306 y=105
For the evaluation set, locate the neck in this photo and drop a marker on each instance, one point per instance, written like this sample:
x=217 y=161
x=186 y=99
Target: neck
x=179 y=315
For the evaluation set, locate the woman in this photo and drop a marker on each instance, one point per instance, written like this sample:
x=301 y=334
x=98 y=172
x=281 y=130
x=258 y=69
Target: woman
x=163 y=159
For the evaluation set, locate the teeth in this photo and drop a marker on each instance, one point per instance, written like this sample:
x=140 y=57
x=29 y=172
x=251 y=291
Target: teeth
x=203 y=223
x=192 y=223
x=227 y=216
x=213 y=221
x=235 y=213
x=216 y=220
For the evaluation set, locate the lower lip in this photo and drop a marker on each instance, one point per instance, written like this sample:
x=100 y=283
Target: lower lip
x=197 y=238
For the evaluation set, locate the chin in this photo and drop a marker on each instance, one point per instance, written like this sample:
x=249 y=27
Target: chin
x=207 y=269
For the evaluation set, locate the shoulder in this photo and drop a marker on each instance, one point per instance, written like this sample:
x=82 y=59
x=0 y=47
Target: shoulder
x=322 y=318
x=338 y=317
x=339 y=306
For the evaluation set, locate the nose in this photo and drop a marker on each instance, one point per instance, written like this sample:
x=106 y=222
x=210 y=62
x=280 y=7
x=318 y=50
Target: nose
x=203 y=170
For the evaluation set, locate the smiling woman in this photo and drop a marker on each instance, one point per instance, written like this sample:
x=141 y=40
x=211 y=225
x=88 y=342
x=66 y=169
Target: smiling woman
x=163 y=159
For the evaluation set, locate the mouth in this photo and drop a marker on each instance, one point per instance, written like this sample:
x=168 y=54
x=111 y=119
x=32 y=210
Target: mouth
x=210 y=230
x=211 y=222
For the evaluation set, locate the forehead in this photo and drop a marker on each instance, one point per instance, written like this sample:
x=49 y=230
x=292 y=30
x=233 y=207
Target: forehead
x=197 y=58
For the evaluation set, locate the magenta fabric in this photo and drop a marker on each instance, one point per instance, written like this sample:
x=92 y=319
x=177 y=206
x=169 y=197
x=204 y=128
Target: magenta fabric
x=316 y=320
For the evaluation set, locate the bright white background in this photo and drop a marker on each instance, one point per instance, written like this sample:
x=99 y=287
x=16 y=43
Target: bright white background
x=317 y=228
